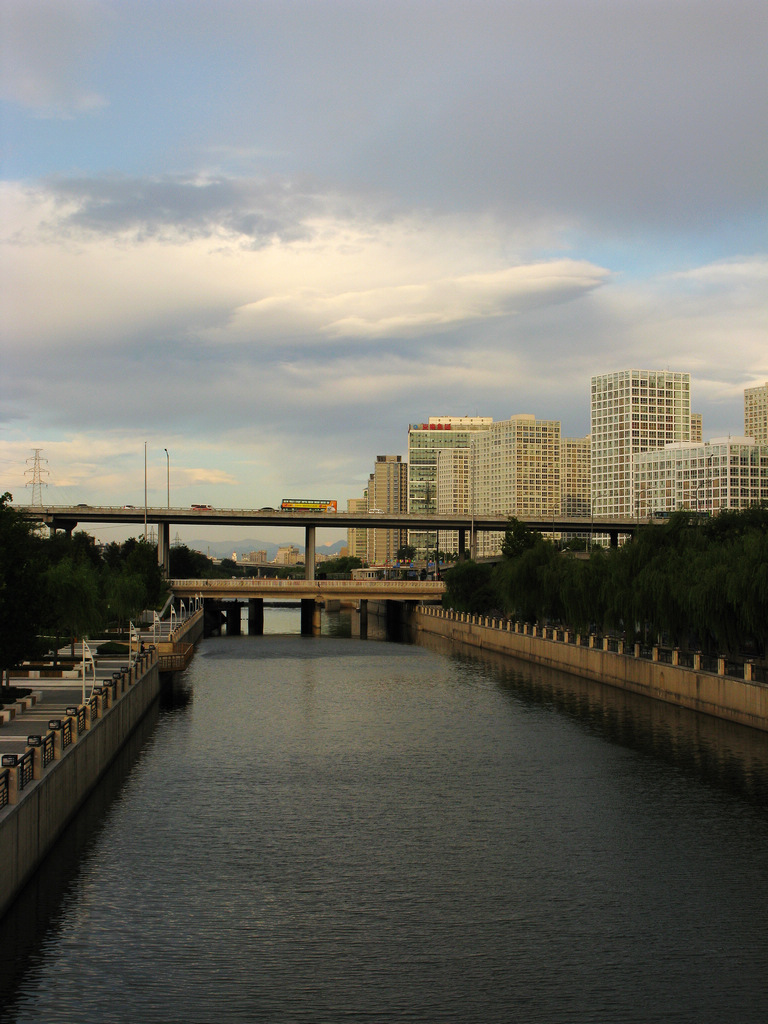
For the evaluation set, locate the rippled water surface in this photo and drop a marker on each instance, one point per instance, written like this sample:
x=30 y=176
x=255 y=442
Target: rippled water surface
x=330 y=829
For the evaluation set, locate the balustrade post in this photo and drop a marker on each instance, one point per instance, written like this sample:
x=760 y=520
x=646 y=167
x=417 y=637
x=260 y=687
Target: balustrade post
x=697 y=661
x=748 y=667
x=721 y=666
x=13 y=781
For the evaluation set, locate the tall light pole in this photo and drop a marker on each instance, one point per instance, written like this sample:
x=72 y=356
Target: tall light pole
x=145 y=492
x=168 y=474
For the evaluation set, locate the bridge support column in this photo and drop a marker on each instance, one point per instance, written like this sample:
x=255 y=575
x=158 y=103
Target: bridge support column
x=256 y=616
x=363 y=618
x=462 y=545
x=234 y=612
x=614 y=535
x=307 y=615
x=309 y=553
x=164 y=548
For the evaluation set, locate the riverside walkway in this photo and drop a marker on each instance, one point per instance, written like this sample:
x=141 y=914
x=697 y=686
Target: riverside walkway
x=58 y=739
x=57 y=694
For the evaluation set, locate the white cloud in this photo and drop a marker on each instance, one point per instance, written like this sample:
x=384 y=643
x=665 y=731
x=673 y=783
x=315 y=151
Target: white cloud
x=343 y=278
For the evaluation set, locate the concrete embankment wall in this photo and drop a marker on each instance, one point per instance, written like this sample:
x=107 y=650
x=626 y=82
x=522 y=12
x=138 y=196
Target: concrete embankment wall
x=30 y=827
x=734 y=700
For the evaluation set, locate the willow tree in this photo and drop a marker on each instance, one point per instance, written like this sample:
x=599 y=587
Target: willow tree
x=72 y=599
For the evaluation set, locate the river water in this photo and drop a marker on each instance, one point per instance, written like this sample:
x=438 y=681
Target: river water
x=333 y=829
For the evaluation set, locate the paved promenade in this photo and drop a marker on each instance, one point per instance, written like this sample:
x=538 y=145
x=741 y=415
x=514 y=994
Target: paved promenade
x=52 y=696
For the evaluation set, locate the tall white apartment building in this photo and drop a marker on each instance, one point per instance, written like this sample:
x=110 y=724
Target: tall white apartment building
x=516 y=472
x=756 y=413
x=575 y=475
x=697 y=427
x=633 y=411
x=357 y=537
x=425 y=440
x=724 y=473
x=387 y=492
x=453 y=491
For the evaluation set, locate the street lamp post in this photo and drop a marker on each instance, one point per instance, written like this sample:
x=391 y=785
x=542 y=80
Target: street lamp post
x=145 y=491
x=168 y=474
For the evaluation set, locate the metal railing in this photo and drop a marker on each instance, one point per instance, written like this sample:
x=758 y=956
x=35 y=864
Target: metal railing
x=735 y=668
x=48 y=749
x=26 y=768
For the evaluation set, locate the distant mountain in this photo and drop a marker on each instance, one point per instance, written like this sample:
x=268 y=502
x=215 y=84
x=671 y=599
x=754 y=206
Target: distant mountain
x=244 y=546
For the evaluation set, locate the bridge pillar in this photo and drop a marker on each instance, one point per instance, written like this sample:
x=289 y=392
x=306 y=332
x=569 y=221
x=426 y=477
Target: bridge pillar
x=317 y=619
x=309 y=552
x=363 y=618
x=462 y=545
x=614 y=535
x=234 y=627
x=256 y=616
x=307 y=615
x=164 y=548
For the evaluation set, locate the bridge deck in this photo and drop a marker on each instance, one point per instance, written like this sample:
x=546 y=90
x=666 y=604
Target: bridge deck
x=372 y=590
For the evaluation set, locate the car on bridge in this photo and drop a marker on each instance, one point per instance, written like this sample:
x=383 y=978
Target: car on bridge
x=202 y=508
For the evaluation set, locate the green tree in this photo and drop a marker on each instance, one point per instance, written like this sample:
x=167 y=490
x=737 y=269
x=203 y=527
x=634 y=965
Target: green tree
x=469 y=587
x=187 y=564
x=517 y=538
x=73 y=600
x=126 y=594
x=21 y=600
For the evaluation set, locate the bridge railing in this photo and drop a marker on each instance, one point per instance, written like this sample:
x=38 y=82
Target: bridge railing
x=416 y=586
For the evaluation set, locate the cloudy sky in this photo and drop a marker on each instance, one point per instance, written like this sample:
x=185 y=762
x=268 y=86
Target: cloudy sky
x=267 y=235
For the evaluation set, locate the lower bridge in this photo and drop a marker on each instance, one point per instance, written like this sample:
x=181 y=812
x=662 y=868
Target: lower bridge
x=222 y=600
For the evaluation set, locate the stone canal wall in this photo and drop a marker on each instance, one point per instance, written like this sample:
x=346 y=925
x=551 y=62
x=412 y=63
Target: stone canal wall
x=55 y=775
x=605 y=660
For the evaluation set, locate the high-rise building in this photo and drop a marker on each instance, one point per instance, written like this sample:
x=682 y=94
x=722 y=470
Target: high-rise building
x=387 y=492
x=697 y=427
x=516 y=472
x=425 y=440
x=633 y=411
x=575 y=476
x=357 y=537
x=756 y=413
x=453 y=491
x=724 y=473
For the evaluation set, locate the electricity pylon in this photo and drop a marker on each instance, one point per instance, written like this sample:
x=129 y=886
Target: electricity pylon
x=36 y=483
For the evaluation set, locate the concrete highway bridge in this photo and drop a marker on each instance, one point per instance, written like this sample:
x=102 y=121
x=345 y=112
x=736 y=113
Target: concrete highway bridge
x=66 y=517
x=223 y=600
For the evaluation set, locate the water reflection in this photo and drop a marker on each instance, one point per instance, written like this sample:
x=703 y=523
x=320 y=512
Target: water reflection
x=730 y=756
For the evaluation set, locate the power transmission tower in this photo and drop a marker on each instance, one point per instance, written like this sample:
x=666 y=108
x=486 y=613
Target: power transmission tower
x=36 y=470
